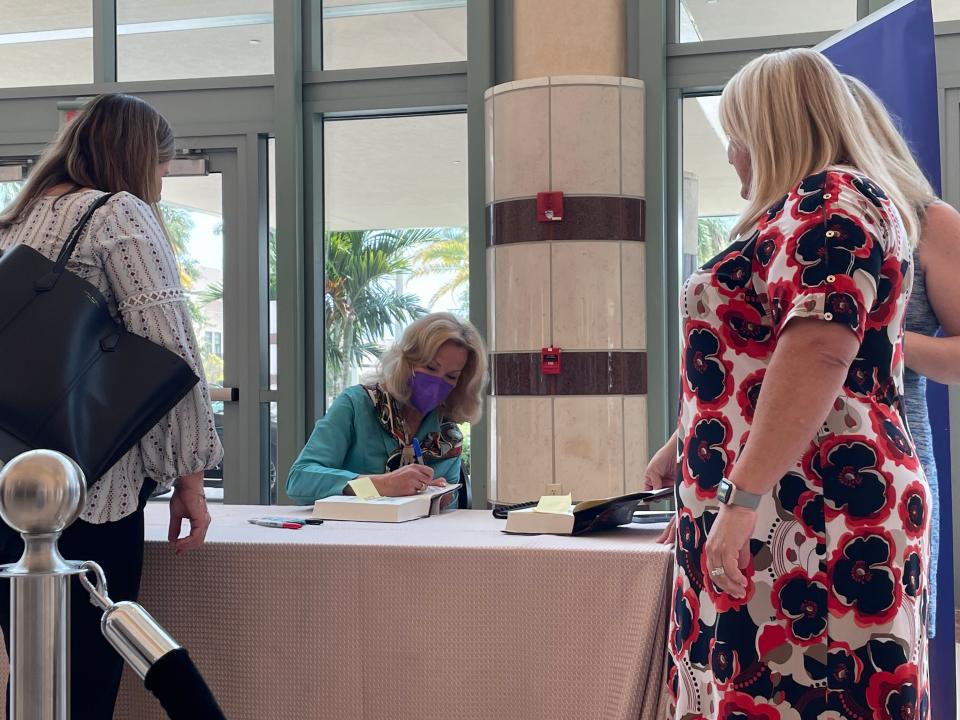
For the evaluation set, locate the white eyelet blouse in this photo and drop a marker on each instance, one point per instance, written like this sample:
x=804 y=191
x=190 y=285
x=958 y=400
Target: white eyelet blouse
x=125 y=254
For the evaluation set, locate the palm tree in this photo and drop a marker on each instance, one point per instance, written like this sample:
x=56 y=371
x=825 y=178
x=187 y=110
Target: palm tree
x=214 y=291
x=448 y=254
x=360 y=305
x=713 y=235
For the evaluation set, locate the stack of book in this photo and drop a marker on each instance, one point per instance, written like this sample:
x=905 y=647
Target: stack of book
x=382 y=509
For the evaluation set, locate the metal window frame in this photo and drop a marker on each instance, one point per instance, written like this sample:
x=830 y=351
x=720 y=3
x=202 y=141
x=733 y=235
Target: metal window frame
x=240 y=113
x=697 y=68
x=673 y=71
x=358 y=93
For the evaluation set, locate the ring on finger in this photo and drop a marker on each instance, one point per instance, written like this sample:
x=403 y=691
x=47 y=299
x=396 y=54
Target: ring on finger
x=717 y=572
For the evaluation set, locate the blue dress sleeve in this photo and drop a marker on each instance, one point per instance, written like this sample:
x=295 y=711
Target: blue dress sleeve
x=317 y=472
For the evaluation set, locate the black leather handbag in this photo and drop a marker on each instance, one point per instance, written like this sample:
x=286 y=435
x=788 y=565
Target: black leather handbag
x=72 y=379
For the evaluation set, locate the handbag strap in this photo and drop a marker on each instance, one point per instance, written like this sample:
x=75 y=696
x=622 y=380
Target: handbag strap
x=49 y=280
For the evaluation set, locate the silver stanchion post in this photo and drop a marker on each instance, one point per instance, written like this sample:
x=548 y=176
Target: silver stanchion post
x=41 y=493
x=132 y=631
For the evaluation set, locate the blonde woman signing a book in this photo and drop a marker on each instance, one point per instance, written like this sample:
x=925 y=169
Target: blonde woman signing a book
x=431 y=380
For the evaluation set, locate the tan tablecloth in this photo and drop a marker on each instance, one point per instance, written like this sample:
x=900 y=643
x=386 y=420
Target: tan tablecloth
x=440 y=618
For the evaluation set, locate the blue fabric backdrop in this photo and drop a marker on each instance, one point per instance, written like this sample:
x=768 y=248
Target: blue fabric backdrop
x=892 y=51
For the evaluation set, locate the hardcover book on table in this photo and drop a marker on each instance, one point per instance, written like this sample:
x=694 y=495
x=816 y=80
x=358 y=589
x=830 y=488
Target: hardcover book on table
x=583 y=517
x=382 y=509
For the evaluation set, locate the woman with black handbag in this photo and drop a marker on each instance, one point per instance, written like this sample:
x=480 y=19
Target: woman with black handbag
x=118 y=145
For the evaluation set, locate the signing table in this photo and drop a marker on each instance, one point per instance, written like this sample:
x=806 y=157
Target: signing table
x=441 y=618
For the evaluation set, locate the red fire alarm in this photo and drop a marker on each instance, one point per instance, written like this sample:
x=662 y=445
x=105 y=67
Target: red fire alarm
x=549 y=206
x=550 y=360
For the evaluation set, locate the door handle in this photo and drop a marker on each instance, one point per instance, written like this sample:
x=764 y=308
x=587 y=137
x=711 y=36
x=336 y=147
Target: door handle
x=224 y=394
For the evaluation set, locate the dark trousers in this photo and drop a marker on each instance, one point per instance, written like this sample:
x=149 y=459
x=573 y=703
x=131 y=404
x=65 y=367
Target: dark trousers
x=95 y=667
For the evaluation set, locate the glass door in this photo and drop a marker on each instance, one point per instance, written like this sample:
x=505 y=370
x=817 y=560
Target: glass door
x=192 y=208
x=217 y=230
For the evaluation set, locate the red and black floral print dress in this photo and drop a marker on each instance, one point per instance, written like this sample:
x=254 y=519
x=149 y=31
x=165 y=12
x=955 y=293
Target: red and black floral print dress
x=833 y=622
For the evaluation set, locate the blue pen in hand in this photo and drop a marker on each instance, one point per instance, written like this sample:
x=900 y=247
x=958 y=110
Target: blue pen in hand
x=417 y=452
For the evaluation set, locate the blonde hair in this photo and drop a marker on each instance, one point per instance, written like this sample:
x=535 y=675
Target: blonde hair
x=114 y=144
x=792 y=112
x=900 y=161
x=419 y=345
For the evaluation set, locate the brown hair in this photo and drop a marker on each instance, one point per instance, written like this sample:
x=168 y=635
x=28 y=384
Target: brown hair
x=114 y=144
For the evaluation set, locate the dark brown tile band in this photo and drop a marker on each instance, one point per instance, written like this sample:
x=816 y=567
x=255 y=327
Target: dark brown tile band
x=584 y=218
x=617 y=372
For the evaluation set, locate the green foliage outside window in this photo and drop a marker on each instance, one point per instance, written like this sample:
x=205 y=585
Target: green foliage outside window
x=713 y=235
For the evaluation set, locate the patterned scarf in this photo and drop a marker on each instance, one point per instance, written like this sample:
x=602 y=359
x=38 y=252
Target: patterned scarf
x=446 y=443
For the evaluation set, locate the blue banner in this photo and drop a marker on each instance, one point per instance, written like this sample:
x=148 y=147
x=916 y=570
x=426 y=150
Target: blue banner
x=892 y=51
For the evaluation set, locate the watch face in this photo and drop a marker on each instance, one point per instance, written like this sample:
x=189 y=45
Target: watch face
x=723 y=491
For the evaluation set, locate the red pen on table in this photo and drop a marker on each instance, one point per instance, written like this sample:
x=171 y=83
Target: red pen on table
x=264 y=522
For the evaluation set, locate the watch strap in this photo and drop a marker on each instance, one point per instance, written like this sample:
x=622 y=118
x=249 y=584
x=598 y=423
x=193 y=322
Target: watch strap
x=742 y=498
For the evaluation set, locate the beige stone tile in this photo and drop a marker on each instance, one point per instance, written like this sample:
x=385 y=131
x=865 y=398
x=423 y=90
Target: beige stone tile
x=631 y=82
x=523 y=448
x=588 y=453
x=632 y=141
x=488 y=166
x=521 y=143
x=542 y=81
x=584 y=80
x=491 y=280
x=521 y=297
x=633 y=276
x=636 y=452
x=585 y=139
x=586 y=295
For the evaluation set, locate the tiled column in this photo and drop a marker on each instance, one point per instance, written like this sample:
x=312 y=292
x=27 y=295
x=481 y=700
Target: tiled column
x=577 y=284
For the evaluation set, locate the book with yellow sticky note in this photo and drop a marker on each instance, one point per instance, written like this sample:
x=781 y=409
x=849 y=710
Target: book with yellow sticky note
x=367 y=505
x=559 y=515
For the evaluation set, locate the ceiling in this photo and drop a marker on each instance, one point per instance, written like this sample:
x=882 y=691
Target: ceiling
x=50 y=43
x=396 y=172
x=705 y=157
x=388 y=172
x=379 y=173
x=719 y=19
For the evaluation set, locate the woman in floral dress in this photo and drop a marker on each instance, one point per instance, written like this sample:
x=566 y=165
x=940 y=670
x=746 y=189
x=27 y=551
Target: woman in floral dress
x=802 y=532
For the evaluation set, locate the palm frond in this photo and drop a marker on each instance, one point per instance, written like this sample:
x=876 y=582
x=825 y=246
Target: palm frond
x=211 y=293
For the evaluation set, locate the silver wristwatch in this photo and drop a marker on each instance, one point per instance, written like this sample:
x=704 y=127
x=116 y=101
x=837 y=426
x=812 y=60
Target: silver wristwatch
x=730 y=494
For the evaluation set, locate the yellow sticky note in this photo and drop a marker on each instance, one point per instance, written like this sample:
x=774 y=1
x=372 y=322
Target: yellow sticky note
x=364 y=488
x=557 y=504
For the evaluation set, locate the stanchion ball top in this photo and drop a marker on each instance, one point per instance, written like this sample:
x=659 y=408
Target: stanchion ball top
x=41 y=491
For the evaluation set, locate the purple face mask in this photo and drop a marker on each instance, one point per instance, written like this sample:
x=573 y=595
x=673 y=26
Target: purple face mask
x=428 y=391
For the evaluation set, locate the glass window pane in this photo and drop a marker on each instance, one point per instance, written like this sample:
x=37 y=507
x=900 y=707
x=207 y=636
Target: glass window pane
x=396 y=233
x=711 y=189
x=944 y=10
x=370 y=33
x=46 y=43
x=271 y=454
x=193 y=213
x=187 y=39
x=721 y=19
x=8 y=191
x=272 y=264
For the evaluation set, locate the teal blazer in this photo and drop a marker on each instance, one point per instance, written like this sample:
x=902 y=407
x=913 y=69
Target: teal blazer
x=349 y=442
